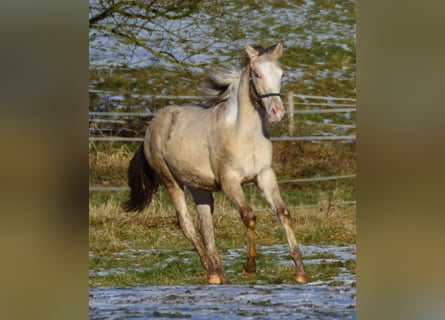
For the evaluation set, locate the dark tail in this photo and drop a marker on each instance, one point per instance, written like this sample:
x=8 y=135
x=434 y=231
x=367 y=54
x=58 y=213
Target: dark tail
x=142 y=180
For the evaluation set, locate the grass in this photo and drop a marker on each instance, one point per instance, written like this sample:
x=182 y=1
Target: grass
x=108 y=163
x=323 y=41
x=150 y=249
x=111 y=229
x=325 y=67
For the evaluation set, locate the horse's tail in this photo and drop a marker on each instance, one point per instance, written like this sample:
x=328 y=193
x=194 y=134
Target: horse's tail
x=142 y=180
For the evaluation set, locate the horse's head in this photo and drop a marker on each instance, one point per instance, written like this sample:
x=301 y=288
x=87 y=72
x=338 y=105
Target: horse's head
x=265 y=76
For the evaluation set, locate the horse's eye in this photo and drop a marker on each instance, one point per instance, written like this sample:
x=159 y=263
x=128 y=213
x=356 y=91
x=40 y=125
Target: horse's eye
x=258 y=75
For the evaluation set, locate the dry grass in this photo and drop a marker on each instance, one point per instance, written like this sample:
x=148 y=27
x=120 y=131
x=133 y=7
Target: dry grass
x=314 y=206
x=112 y=230
x=108 y=162
x=302 y=159
x=113 y=234
x=318 y=219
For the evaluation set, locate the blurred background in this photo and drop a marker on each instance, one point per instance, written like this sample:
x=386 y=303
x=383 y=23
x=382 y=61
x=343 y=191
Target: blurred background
x=46 y=81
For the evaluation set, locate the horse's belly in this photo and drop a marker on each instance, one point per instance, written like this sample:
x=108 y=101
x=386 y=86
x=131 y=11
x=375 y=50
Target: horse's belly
x=194 y=175
x=190 y=165
x=184 y=147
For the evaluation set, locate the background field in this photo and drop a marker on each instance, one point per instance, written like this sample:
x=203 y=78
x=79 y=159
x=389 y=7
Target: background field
x=318 y=59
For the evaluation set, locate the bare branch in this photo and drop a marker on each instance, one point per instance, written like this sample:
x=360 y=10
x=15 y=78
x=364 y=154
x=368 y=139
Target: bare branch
x=165 y=29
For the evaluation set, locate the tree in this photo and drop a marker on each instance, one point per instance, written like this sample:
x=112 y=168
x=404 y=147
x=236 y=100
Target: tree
x=154 y=31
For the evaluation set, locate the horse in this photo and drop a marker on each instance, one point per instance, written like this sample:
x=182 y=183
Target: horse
x=220 y=146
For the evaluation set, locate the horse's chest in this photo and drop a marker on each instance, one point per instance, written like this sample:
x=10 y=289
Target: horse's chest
x=254 y=159
x=252 y=165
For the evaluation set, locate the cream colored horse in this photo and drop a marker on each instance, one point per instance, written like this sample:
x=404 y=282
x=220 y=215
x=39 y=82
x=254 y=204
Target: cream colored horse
x=219 y=147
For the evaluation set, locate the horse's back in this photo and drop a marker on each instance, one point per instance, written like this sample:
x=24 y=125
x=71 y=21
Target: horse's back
x=177 y=139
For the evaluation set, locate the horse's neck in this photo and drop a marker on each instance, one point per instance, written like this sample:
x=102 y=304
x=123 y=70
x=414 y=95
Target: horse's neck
x=248 y=116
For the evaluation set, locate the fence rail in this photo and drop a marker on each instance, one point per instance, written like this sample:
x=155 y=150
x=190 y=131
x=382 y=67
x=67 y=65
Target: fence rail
x=315 y=111
x=179 y=97
x=121 y=114
x=341 y=106
x=313 y=179
x=143 y=114
x=335 y=107
x=312 y=138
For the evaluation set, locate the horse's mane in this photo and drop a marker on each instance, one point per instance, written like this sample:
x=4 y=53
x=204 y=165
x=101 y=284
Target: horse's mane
x=220 y=80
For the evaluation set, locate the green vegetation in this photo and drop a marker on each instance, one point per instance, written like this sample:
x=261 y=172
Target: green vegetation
x=166 y=257
x=318 y=219
x=149 y=248
x=109 y=161
x=318 y=38
x=318 y=59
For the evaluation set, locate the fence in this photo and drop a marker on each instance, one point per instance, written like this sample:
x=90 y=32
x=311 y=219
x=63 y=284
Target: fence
x=334 y=107
x=328 y=105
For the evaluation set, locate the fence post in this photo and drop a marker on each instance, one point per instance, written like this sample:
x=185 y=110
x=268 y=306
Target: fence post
x=290 y=102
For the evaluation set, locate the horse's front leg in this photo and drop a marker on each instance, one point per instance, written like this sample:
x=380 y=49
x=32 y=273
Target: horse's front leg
x=267 y=182
x=232 y=187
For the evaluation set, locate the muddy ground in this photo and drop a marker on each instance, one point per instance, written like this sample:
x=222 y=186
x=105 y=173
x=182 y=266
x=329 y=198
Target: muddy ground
x=330 y=299
x=223 y=302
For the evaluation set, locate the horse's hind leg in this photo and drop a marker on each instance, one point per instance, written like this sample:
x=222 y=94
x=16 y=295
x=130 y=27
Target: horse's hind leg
x=267 y=182
x=177 y=197
x=204 y=207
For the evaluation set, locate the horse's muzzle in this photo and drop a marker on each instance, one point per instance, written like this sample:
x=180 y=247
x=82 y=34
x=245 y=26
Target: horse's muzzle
x=275 y=110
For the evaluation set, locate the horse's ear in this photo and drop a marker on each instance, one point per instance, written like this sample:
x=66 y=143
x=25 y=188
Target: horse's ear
x=277 y=51
x=251 y=52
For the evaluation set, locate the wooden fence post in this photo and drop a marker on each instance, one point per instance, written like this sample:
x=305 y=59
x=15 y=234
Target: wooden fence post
x=290 y=102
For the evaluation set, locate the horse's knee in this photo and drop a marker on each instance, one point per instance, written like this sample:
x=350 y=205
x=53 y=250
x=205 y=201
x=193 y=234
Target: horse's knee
x=249 y=218
x=284 y=215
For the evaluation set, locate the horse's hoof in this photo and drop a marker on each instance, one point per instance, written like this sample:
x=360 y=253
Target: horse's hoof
x=249 y=268
x=225 y=281
x=301 y=278
x=249 y=274
x=214 y=279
